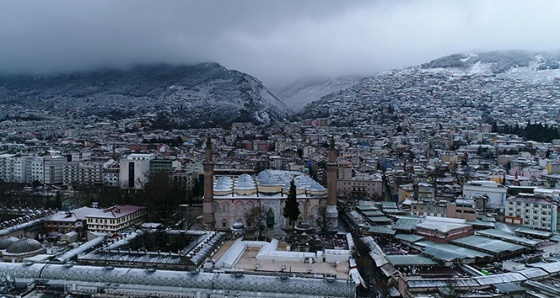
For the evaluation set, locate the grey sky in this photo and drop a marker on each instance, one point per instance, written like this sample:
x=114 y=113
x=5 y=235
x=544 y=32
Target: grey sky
x=276 y=41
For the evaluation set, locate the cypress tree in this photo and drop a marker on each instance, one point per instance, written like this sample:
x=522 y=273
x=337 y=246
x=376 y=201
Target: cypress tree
x=291 y=209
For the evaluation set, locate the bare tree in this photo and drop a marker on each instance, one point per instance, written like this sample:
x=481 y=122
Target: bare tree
x=321 y=220
x=257 y=218
x=162 y=197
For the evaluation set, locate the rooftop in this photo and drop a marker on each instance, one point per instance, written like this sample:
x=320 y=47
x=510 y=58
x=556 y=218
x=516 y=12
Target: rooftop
x=115 y=211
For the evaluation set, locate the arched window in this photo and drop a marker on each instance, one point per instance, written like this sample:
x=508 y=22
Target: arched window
x=224 y=207
x=216 y=207
x=239 y=207
x=249 y=206
x=224 y=223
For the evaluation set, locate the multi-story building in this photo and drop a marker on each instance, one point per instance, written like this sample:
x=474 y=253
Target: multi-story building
x=115 y=219
x=110 y=173
x=52 y=169
x=195 y=167
x=351 y=183
x=534 y=211
x=463 y=209
x=111 y=176
x=185 y=179
x=163 y=165
x=496 y=192
x=26 y=169
x=79 y=156
x=425 y=192
x=82 y=173
x=428 y=208
x=7 y=171
x=134 y=171
x=64 y=222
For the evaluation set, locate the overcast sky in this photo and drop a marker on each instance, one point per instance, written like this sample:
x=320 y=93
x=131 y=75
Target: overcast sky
x=276 y=41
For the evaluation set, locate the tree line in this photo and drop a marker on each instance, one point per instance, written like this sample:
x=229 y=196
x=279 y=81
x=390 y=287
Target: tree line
x=537 y=132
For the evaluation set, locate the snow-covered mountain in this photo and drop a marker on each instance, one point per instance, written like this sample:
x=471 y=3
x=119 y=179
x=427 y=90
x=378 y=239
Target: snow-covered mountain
x=202 y=95
x=525 y=65
x=300 y=93
x=454 y=82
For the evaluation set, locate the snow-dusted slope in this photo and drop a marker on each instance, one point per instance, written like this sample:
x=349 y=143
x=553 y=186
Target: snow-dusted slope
x=202 y=95
x=303 y=92
x=529 y=66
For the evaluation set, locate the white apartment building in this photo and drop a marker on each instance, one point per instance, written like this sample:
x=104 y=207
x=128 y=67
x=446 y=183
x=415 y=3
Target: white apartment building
x=533 y=211
x=45 y=169
x=80 y=156
x=495 y=192
x=82 y=173
x=7 y=167
x=26 y=169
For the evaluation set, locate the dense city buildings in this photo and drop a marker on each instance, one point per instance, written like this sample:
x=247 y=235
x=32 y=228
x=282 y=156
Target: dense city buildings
x=411 y=182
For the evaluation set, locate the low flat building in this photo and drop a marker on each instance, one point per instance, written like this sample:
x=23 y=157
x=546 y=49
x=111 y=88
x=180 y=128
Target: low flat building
x=64 y=222
x=443 y=230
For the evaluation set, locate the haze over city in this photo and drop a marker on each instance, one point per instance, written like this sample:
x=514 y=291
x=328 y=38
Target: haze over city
x=276 y=41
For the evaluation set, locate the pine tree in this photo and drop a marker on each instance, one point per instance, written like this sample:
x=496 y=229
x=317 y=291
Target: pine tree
x=291 y=209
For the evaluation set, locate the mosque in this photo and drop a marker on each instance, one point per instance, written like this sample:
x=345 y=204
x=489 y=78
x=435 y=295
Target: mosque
x=229 y=200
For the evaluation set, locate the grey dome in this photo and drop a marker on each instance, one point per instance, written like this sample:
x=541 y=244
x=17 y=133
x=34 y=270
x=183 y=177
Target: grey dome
x=263 y=175
x=245 y=184
x=24 y=246
x=224 y=180
x=238 y=225
x=222 y=187
x=269 y=181
x=6 y=241
x=316 y=186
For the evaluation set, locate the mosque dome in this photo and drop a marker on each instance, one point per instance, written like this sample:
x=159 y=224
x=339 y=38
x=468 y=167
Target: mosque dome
x=245 y=184
x=24 y=246
x=269 y=181
x=238 y=225
x=6 y=241
x=314 y=186
x=222 y=187
x=263 y=175
x=245 y=178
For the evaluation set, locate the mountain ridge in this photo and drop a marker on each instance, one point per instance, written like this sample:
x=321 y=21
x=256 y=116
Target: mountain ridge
x=489 y=75
x=200 y=95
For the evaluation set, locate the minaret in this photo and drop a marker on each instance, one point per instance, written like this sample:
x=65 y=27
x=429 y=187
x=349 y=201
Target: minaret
x=208 y=203
x=332 y=168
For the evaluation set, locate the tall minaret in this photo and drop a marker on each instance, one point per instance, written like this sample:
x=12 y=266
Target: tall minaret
x=332 y=168
x=208 y=203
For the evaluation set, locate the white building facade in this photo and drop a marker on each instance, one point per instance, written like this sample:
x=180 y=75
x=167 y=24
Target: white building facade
x=533 y=211
x=26 y=169
x=495 y=192
x=134 y=171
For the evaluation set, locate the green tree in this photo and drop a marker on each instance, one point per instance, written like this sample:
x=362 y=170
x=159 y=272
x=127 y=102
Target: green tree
x=291 y=209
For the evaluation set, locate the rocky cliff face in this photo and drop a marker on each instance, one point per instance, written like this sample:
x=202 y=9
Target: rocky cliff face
x=202 y=95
